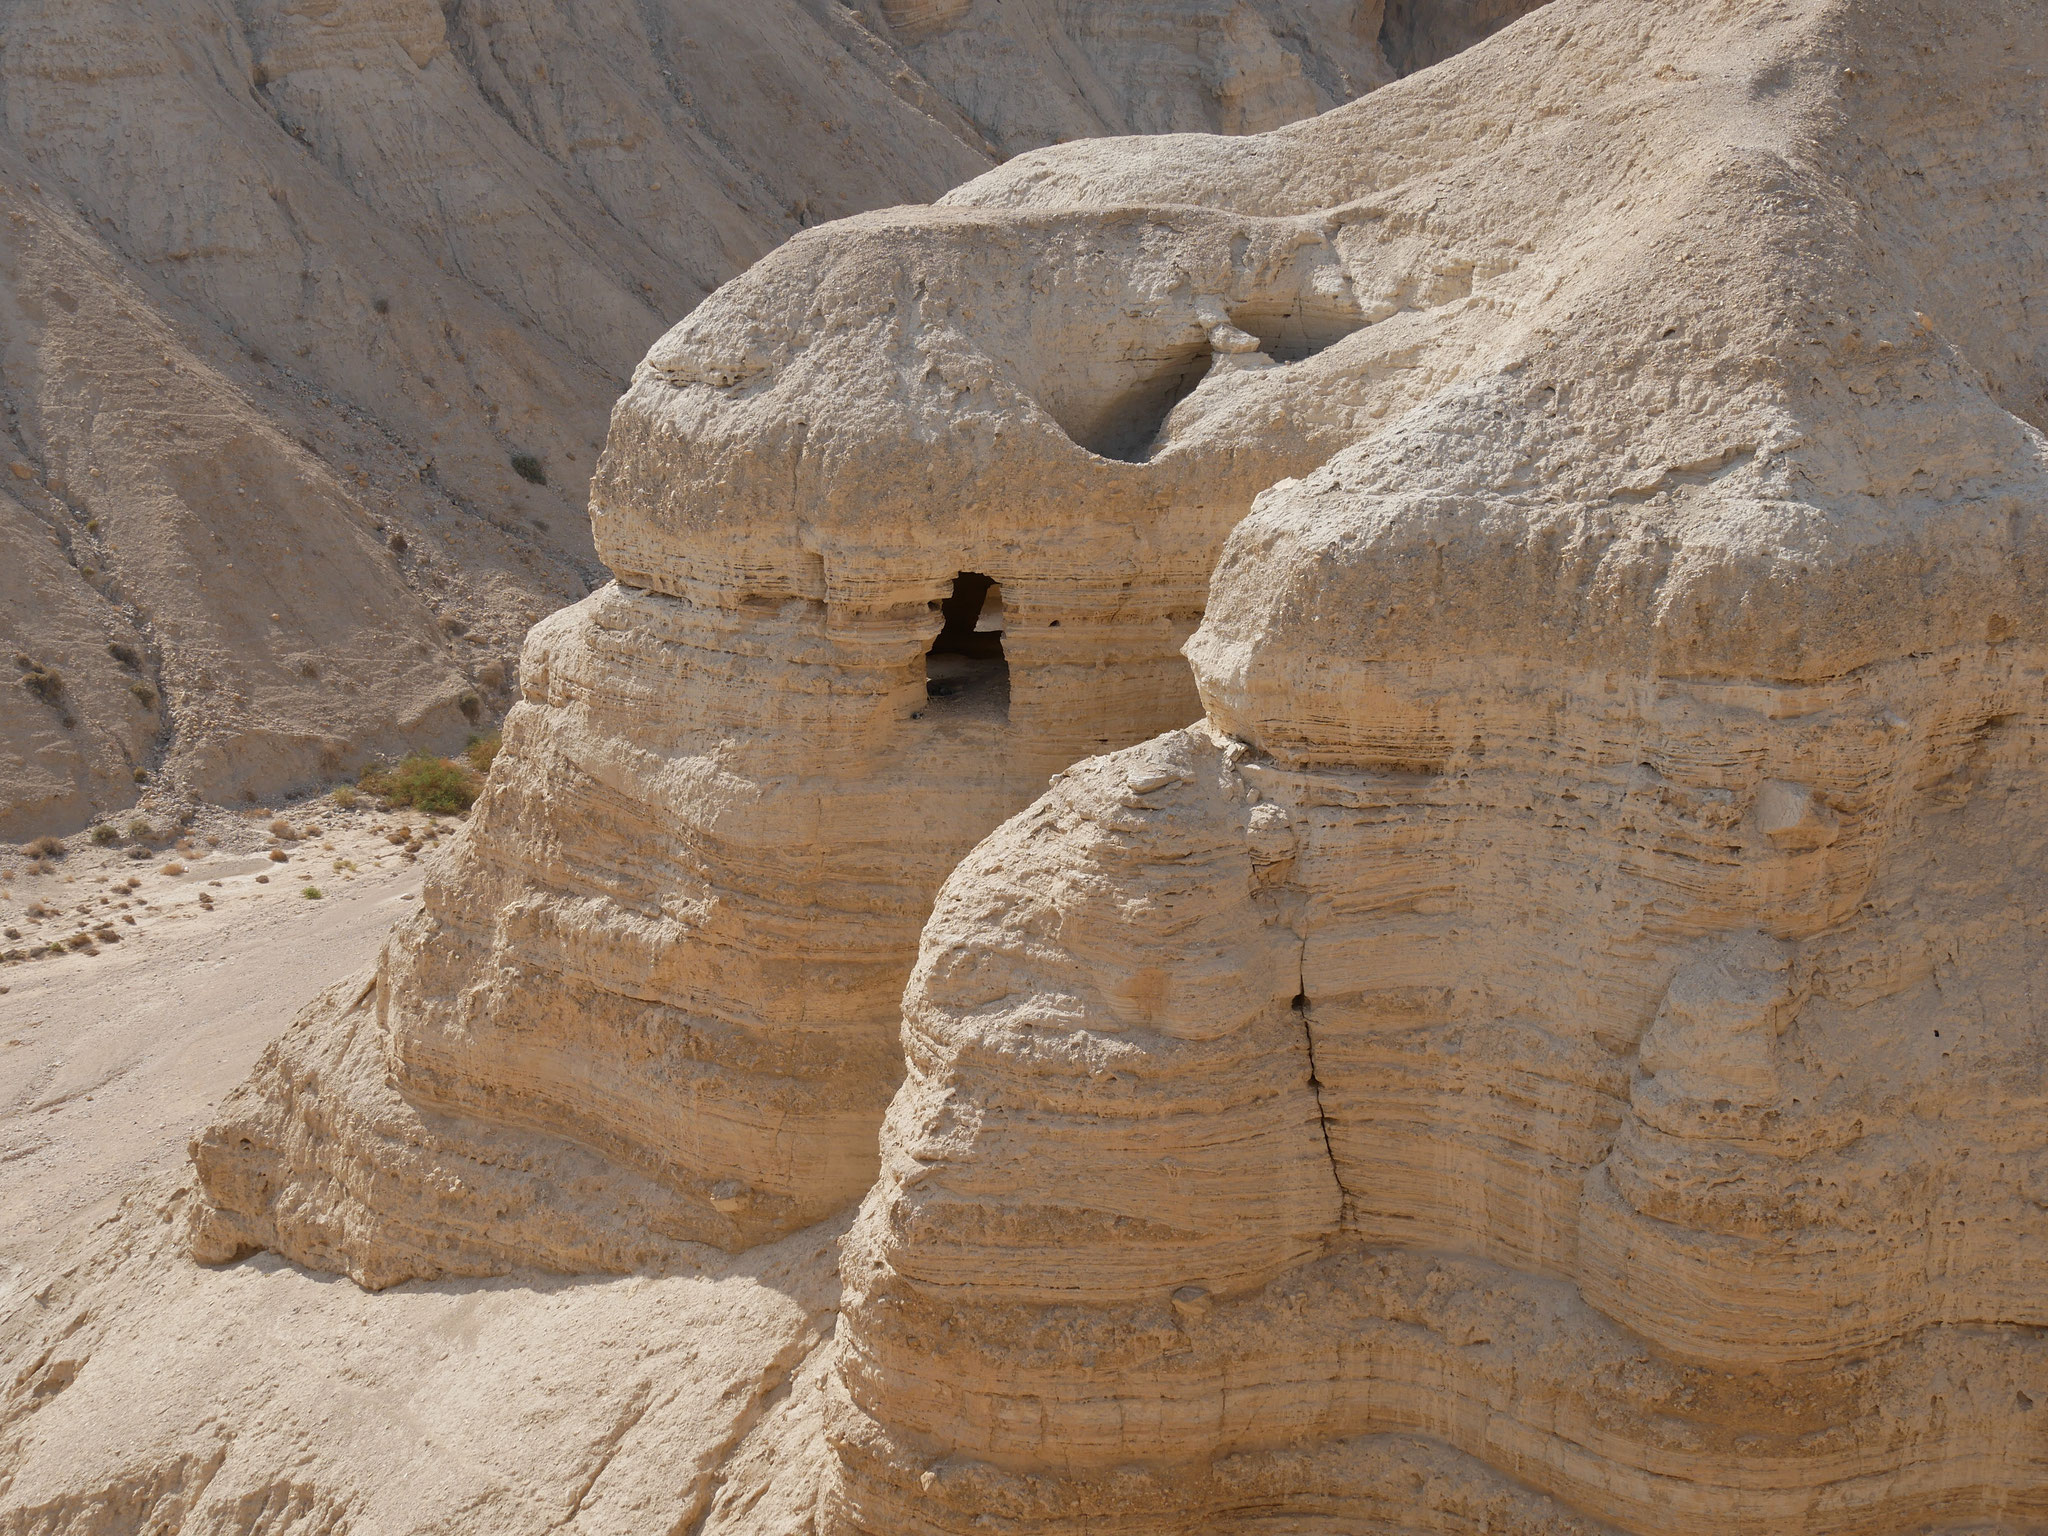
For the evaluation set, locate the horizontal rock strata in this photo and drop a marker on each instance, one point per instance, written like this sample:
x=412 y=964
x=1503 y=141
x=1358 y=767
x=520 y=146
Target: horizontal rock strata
x=1552 y=1048
x=1573 y=999
x=677 y=932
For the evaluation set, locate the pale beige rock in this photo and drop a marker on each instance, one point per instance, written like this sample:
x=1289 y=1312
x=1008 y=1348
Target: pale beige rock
x=1574 y=997
x=693 y=892
x=1551 y=1048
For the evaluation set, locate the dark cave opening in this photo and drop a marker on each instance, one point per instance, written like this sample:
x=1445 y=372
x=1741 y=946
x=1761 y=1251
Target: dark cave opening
x=965 y=668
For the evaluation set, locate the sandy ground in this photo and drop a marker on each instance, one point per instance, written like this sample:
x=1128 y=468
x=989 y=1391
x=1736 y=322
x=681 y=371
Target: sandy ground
x=139 y=1390
x=112 y=1055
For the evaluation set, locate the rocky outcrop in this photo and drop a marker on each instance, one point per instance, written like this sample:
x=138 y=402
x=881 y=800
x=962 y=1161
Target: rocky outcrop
x=862 y=612
x=319 y=309
x=1572 y=998
x=1551 y=1047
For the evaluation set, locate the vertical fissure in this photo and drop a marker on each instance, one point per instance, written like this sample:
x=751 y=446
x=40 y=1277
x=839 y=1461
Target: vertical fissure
x=1315 y=1086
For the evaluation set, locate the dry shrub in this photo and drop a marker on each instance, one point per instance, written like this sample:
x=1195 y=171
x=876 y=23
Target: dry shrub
x=279 y=856
x=105 y=835
x=172 y=868
x=284 y=829
x=45 y=848
x=46 y=683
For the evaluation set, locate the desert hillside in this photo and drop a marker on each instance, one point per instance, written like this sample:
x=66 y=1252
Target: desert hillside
x=318 y=310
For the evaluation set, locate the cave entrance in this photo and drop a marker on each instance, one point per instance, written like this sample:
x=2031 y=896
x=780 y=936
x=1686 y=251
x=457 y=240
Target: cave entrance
x=965 y=669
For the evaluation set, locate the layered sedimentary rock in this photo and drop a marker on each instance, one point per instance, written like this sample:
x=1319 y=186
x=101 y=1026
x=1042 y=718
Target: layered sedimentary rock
x=663 y=972
x=317 y=310
x=1554 y=1046
x=1575 y=997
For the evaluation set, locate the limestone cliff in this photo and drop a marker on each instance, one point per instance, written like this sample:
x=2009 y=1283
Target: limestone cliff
x=693 y=893
x=1553 y=1046
x=1574 y=998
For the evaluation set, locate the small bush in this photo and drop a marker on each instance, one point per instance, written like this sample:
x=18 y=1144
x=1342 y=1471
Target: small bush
x=141 y=829
x=344 y=796
x=45 y=848
x=144 y=694
x=397 y=543
x=527 y=467
x=46 y=683
x=482 y=751
x=312 y=893
x=140 y=775
x=434 y=784
x=105 y=835
x=284 y=829
x=381 y=305
x=124 y=654
x=279 y=856
x=172 y=868
x=471 y=706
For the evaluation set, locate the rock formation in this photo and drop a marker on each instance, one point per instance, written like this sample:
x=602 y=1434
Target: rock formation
x=1551 y=1047
x=1558 y=1046
x=694 y=891
x=318 y=308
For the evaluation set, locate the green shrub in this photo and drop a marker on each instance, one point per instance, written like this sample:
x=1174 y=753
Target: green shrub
x=437 y=785
x=527 y=467
x=105 y=835
x=312 y=893
x=141 y=829
x=344 y=796
x=482 y=751
x=144 y=694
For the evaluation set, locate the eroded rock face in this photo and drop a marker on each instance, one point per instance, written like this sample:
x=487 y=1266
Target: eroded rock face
x=1573 y=998
x=677 y=934
x=1551 y=1048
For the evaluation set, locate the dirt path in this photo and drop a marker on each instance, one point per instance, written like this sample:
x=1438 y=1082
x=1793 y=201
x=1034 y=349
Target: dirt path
x=112 y=1055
